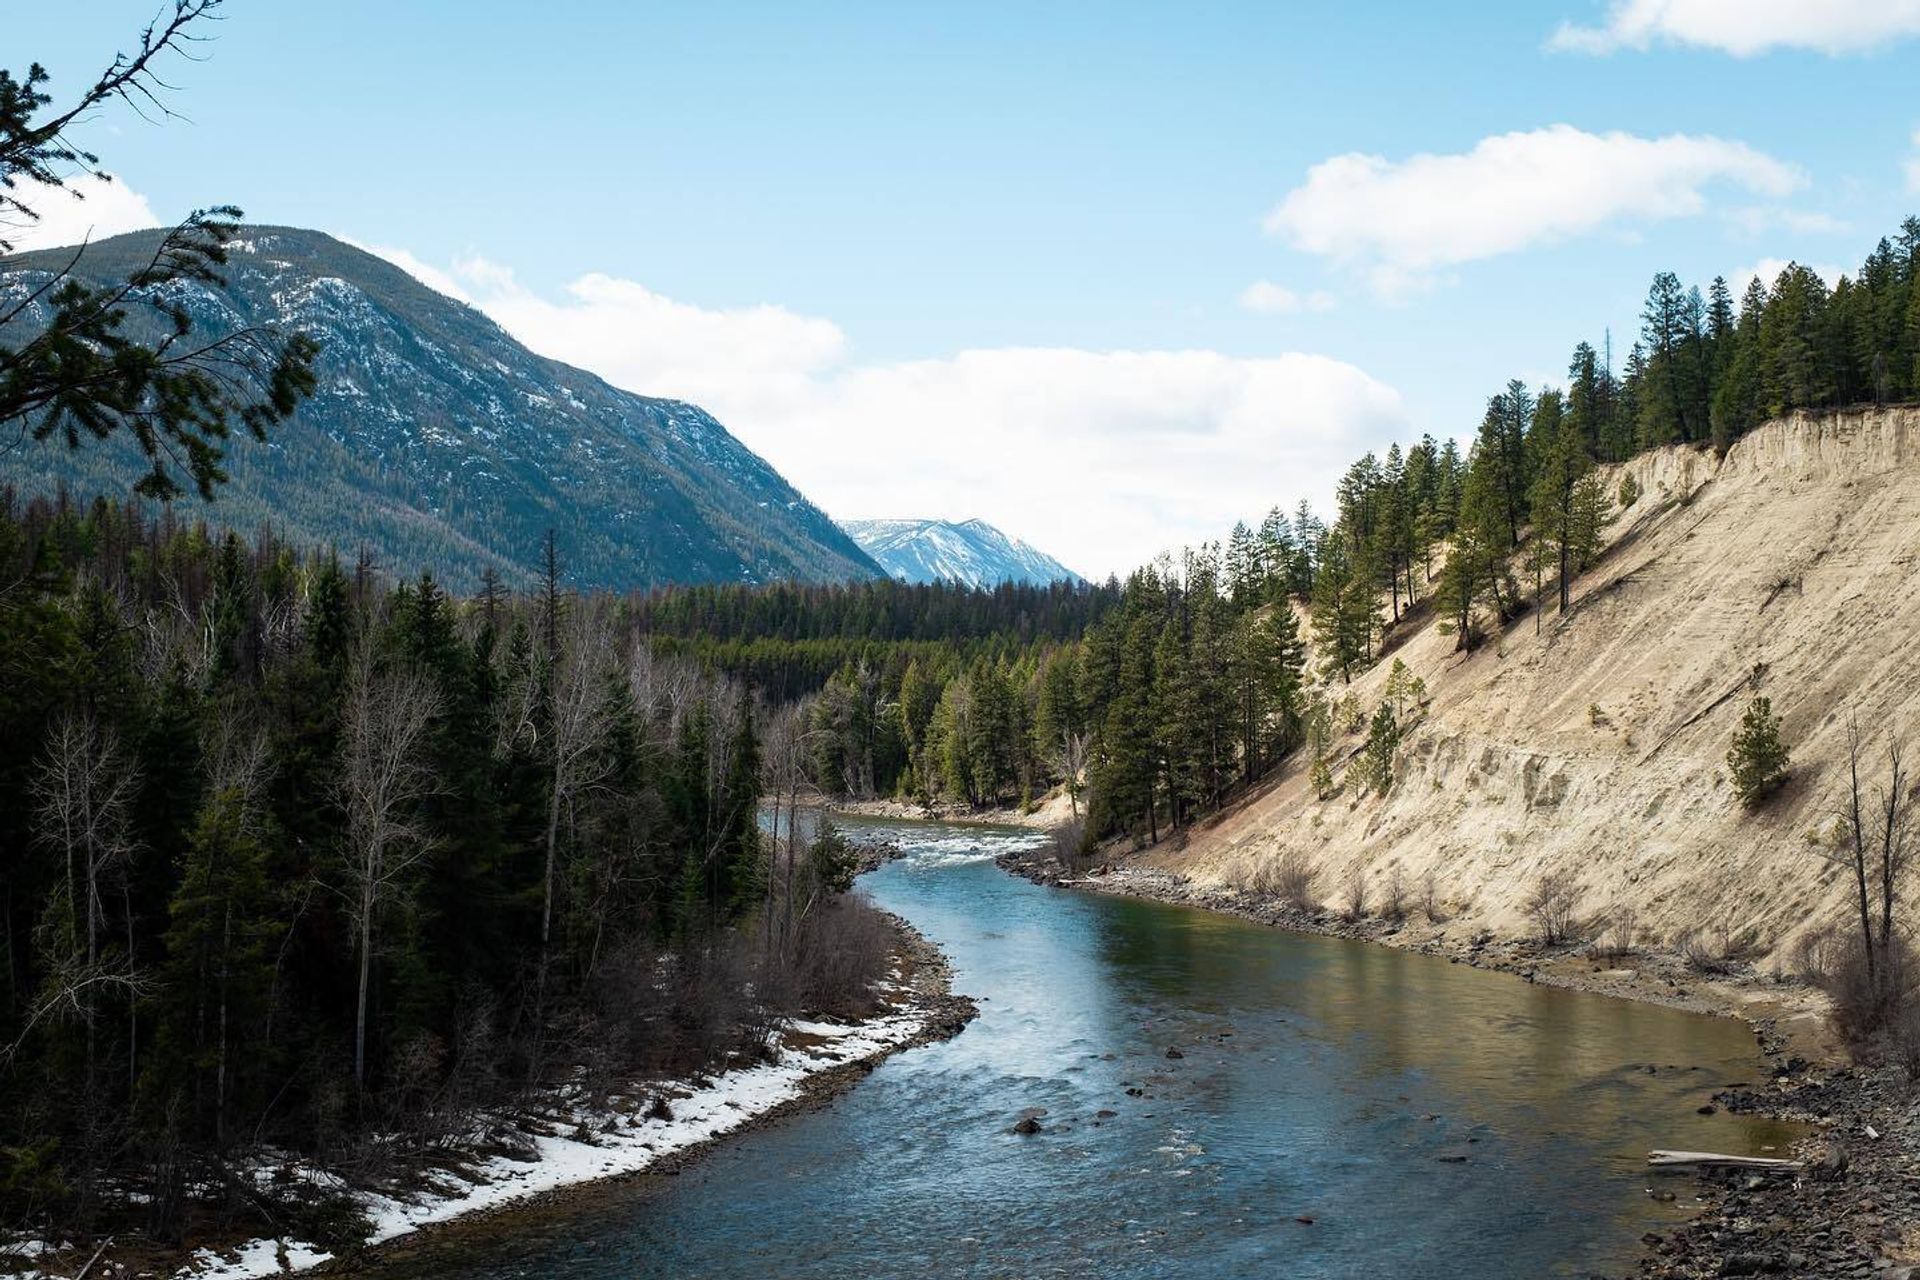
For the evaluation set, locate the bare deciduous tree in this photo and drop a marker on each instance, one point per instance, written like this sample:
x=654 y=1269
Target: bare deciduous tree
x=233 y=749
x=1069 y=758
x=83 y=789
x=578 y=720
x=383 y=779
x=1872 y=844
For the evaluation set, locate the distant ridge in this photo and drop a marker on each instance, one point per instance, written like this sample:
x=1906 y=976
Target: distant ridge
x=437 y=440
x=971 y=552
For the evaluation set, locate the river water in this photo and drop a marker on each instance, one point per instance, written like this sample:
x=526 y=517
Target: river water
x=1431 y=1119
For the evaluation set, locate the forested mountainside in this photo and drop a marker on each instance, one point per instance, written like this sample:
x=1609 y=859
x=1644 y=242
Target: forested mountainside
x=971 y=552
x=436 y=440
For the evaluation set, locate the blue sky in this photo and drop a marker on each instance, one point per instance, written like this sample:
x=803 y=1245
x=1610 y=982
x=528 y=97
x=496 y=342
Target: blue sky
x=883 y=240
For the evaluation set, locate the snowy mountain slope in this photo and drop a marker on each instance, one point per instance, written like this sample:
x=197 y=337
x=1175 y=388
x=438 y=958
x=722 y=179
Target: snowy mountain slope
x=972 y=552
x=436 y=439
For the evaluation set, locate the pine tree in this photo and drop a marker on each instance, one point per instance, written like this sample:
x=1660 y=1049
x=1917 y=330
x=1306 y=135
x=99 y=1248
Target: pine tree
x=1131 y=732
x=1475 y=572
x=1500 y=454
x=1758 y=758
x=1737 y=398
x=1792 y=340
x=218 y=973
x=1310 y=537
x=1442 y=511
x=1275 y=549
x=1405 y=691
x=1394 y=537
x=1566 y=510
x=1179 y=712
x=1343 y=609
x=1668 y=331
x=1383 y=740
x=1243 y=566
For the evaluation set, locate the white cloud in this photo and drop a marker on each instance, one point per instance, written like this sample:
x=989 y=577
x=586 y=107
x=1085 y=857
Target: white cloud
x=1767 y=270
x=1758 y=219
x=1745 y=27
x=1402 y=221
x=759 y=358
x=1276 y=299
x=89 y=208
x=425 y=272
x=1102 y=458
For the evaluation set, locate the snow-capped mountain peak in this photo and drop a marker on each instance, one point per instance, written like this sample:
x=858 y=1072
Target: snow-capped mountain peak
x=970 y=552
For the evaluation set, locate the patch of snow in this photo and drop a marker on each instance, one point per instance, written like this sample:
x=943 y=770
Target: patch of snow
x=621 y=1143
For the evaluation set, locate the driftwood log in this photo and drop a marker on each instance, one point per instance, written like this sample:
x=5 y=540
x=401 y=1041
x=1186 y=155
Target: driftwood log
x=1712 y=1160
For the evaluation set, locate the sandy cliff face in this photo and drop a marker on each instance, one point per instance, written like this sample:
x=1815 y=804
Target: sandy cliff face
x=1598 y=746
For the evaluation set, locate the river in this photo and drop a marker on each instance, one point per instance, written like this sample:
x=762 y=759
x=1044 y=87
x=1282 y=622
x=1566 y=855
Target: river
x=1431 y=1120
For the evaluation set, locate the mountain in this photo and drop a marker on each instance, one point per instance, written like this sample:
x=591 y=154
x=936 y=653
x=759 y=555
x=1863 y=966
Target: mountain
x=1596 y=749
x=437 y=440
x=972 y=552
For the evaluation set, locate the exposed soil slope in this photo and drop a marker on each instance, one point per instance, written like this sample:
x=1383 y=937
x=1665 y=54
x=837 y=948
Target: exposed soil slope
x=1599 y=744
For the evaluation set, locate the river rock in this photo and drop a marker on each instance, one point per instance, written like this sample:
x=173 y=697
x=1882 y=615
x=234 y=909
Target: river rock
x=1027 y=1125
x=1832 y=1166
x=1175 y=1053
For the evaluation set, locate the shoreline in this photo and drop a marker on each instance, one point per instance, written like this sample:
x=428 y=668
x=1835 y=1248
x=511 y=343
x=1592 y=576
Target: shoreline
x=1854 y=1209
x=586 y=1151
x=1050 y=812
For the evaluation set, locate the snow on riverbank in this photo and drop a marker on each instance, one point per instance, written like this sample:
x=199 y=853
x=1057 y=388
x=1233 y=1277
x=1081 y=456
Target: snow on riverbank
x=620 y=1143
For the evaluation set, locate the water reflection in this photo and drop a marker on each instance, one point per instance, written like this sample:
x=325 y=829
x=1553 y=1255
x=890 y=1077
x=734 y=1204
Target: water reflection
x=1432 y=1120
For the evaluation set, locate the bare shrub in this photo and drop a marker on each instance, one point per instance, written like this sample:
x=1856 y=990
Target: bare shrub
x=1357 y=893
x=1394 y=905
x=1737 y=945
x=477 y=1053
x=1551 y=906
x=413 y=1085
x=1871 y=998
x=841 y=953
x=1623 y=931
x=1068 y=844
x=1697 y=953
x=1815 y=952
x=629 y=1001
x=712 y=1006
x=1293 y=880
x=1430 y=896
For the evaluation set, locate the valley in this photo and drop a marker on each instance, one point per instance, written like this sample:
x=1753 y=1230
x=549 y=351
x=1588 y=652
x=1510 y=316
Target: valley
x=533 y=741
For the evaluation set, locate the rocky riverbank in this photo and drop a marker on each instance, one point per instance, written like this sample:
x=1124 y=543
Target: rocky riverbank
x=1853 y=1210
x=871 y=852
